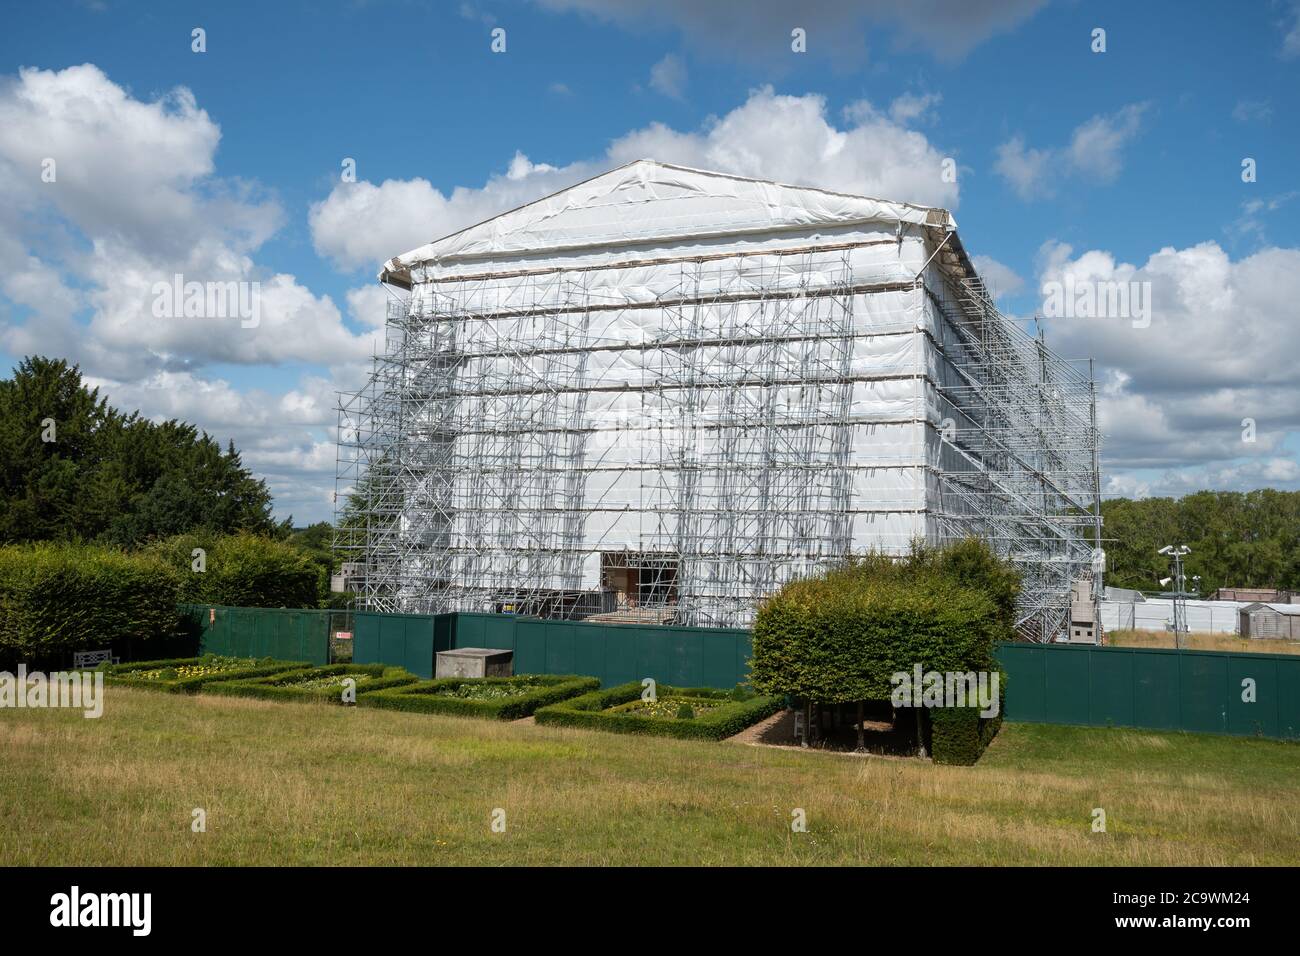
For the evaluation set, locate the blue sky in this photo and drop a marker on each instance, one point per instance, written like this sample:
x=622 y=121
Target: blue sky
x=1123 y=164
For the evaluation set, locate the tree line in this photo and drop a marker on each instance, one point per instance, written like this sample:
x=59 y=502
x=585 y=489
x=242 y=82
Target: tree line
x=1237 y=539
x=75 y=470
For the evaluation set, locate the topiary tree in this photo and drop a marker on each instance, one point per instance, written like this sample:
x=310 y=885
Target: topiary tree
x=840 y=638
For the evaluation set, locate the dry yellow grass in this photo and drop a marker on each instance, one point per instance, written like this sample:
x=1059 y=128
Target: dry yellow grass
x=312 y=784
x=1201 y=642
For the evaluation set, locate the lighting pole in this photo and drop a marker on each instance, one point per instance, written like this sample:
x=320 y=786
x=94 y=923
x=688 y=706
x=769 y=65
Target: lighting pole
x=1179 y=594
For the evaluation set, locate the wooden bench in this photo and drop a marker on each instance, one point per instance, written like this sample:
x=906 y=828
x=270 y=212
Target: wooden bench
x=85 y=660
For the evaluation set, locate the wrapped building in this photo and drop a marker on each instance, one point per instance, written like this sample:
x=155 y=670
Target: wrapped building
x=661 y=393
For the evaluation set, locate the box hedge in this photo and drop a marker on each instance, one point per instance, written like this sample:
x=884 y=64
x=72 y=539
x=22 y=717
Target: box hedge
x=592 y=712
x=960 y=735
x=281 y=686
x=60 y=598
x=127 y=675
x=838 y=640
x=430 y=697
x=242 y=570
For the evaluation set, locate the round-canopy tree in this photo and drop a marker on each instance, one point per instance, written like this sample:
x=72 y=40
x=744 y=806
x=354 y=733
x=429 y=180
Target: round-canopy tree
x=841 y=637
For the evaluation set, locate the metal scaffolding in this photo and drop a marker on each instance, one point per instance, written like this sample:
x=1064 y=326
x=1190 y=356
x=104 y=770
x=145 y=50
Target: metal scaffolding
x=544 y=441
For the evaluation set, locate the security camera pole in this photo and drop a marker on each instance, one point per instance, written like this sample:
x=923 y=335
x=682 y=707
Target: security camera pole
x=1180 y=594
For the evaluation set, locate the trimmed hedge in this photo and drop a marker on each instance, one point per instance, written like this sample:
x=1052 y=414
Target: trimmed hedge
x=280 y=686
x=120 y=674
x=591 y=712
x=242 y=570
x=960 y=735
x=57 y=598
x=424 y=697
x=839 y=638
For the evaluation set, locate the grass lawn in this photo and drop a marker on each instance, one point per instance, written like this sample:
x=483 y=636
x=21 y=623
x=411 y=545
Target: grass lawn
x=315 y=784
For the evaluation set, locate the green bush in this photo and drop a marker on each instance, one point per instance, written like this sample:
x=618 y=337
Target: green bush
x=131 y=675
x=296 y=685
x=429 y=697
x=841 y=637
x=592 y=712
x=242 y=570
x=817 y=640
x=57 y=598
x=960 y=735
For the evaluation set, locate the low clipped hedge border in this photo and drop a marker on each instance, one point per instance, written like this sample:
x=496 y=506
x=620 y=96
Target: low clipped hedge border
x=119 y=675
x=590 y=713
x=267 y=689
x=423 y=697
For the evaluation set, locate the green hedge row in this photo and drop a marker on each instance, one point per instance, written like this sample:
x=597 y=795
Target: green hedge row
x=591 y=712
x=426 y=697
x=57 y=598
x=241 y=570
x=281 y=686
x=121 y=674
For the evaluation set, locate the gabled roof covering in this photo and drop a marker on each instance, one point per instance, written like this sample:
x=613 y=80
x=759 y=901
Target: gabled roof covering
x=647 y=202
x=1287 y=609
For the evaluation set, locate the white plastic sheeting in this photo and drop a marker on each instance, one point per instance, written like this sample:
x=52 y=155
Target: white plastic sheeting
x=646 y=201
x=741 y=375
x=1207 y=617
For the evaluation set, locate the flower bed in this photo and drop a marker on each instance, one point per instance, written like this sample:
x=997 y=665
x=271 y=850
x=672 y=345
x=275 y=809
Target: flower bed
x=713 y=714
x=323 y=684
x=494 y=698
x=188 y=675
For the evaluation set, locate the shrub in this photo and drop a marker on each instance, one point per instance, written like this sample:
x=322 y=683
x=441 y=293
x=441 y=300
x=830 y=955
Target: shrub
x=242 y=570
x=57 y=598
x=174 y=678
x=840 y=641
x=593 y=712
x=431 y=697
x=314 y=684
x=840 y=638
x=960 y=735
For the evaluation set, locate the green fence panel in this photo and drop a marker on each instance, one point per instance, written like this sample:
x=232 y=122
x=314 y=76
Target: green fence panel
x=1157 y=690
x=561 y=649
x=1068 y=683
x=1204 y=693
x=1025 y=682
x=411 y=641
x=470 y=630
x=1197 y=691
x=1258 y=680
x=1110 y=689
x=620 y=658
x=614 y=653
x=295 y=634
x=1288 y=701
x=589 y=651
x=528 y=643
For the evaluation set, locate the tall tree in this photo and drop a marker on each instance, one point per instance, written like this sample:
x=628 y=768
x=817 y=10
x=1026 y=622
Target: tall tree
x=74 y=468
